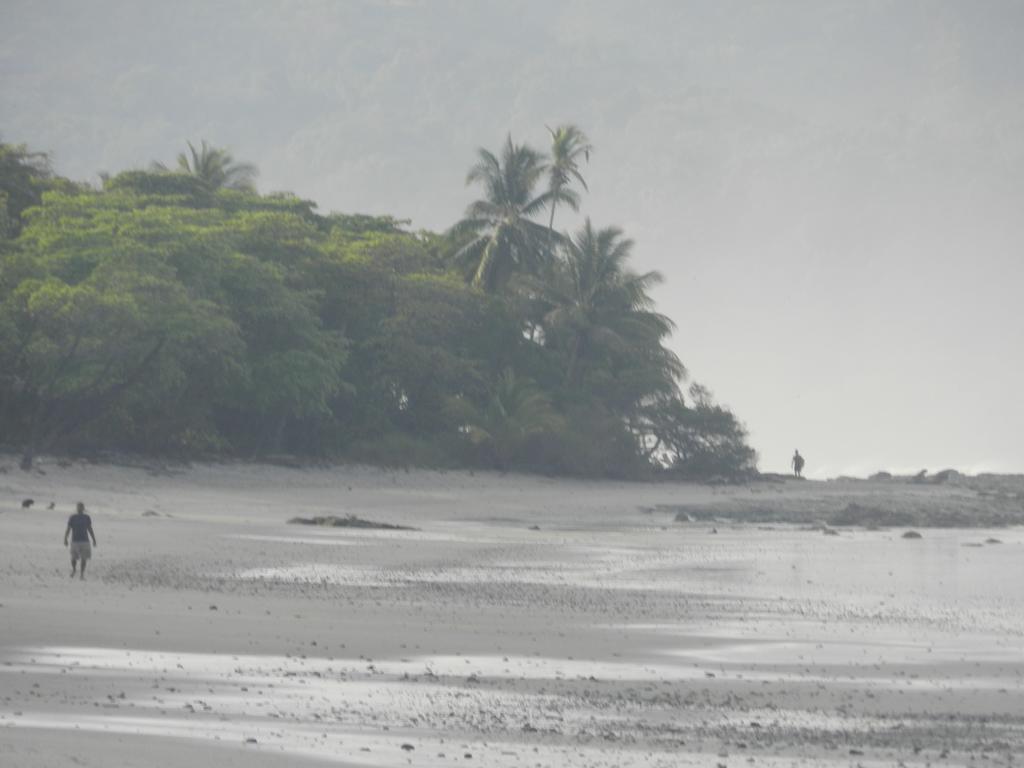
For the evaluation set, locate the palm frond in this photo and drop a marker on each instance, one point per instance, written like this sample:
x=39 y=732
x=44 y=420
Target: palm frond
x=487 y=166
x=504 y=214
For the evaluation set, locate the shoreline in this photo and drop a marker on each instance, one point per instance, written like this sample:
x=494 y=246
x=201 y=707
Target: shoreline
x=959 y=501
x=524 y=621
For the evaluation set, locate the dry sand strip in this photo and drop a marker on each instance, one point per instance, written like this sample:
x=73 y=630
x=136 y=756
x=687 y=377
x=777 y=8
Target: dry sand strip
x=213 y=633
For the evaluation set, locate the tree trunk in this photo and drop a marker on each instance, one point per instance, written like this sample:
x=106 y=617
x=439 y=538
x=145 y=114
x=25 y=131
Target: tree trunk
x=574 y=357
x=277 y=432
x=28 y=455
x=485 y=269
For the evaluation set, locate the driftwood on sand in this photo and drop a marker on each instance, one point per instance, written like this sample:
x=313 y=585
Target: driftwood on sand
x=349 y=521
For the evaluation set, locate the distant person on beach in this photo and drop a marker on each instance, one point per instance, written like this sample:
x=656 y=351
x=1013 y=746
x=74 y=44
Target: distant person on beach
x=798 y=464
x=80 y=530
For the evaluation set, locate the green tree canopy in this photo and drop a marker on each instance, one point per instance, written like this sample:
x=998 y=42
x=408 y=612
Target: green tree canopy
x=24 y=177
x=182 y=312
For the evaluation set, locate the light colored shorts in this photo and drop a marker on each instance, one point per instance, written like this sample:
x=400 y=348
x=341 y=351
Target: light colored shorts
x=81 y=550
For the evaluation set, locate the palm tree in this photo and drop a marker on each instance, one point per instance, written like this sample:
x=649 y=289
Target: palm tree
x=516 y=411
x=568 y=145
x=506 y=239
x=216 y=167
x=598 y=307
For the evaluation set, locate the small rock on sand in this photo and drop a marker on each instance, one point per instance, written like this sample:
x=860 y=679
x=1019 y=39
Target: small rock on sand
x=911 y=535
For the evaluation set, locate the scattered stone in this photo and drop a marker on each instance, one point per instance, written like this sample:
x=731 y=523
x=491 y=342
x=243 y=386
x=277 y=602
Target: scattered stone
x=829 y=531
x=911 y=535
x=408 y=747
x=51 y=505
x=151 y=513
x=993 y=541
x=534 y=527
x=213 y=607
x=251 y=740
x=26 y=503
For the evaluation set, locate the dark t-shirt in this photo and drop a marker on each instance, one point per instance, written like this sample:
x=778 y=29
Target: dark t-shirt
x=79 y=525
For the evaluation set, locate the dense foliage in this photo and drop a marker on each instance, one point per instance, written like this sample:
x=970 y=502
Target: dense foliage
x=177 y=311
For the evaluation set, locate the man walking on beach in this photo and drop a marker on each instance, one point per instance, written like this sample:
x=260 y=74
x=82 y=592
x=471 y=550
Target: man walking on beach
x=798 y=463
x=80 y=530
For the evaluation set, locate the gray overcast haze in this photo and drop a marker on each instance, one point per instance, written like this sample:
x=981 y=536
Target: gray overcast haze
x=834 y=190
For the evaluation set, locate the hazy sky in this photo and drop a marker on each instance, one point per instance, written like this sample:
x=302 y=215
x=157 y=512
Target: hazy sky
x=834 y=190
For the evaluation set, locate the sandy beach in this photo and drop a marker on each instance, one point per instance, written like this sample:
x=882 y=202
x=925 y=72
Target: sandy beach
x=523 y=622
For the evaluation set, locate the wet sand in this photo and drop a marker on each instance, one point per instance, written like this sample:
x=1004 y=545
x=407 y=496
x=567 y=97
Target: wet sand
x=212 y=632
